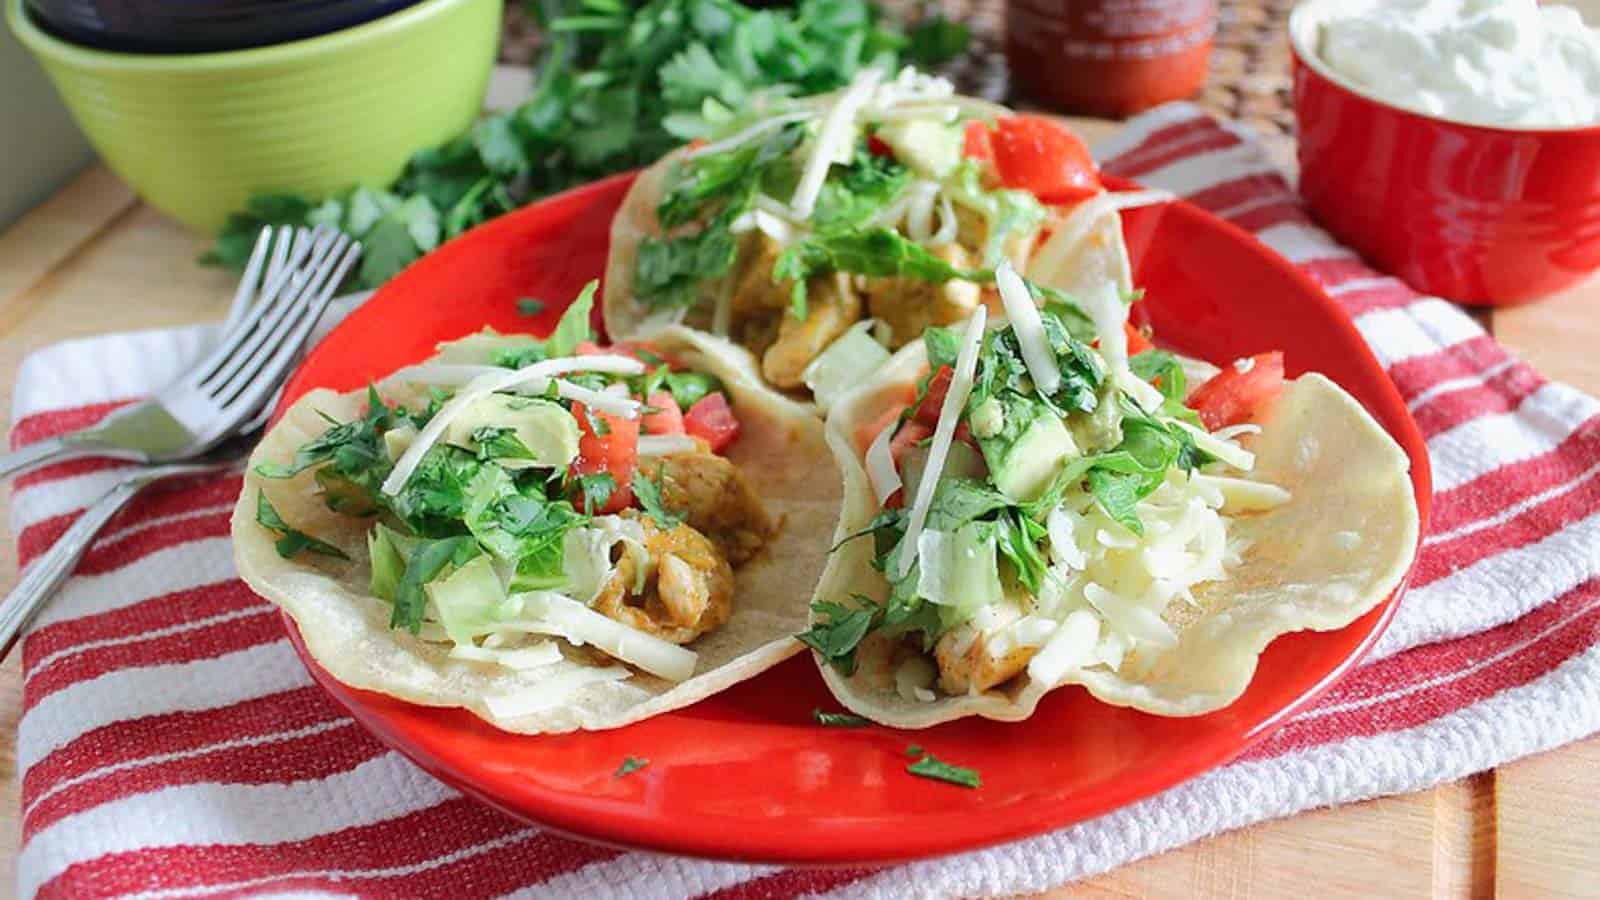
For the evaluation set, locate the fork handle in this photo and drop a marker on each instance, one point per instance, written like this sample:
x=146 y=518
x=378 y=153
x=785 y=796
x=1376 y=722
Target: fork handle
x=49 y=570
x=48 y=450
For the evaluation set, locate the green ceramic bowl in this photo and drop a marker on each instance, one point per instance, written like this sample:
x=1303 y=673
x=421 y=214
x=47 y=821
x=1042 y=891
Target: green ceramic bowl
x=196 y=134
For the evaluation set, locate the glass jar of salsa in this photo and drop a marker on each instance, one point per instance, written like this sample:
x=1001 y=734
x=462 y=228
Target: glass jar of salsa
x=1109 y=57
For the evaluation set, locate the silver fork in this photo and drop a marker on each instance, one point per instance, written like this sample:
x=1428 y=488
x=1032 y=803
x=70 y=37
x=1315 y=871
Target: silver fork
x=194 y=413
x=48 y=572
x=240 y=392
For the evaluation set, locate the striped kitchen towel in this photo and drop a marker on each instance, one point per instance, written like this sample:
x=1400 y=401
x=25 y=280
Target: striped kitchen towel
x=171 y=744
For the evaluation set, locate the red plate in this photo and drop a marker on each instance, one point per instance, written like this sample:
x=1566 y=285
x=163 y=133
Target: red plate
x=746 y=775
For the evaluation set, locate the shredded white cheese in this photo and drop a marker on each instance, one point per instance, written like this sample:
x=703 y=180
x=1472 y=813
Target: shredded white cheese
x=837 y=129
x=881 y=472
x=740 y=138
x=552 y=613
x=499 y=380
x=1226 y=451
x=949 y=415
x=1028 y=327
x=1070 y=646
x=666 y=444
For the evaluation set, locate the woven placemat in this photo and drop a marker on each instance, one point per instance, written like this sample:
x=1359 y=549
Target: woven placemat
x=1249 y=79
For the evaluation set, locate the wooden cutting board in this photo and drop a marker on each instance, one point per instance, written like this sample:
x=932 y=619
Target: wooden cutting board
x=93 y=259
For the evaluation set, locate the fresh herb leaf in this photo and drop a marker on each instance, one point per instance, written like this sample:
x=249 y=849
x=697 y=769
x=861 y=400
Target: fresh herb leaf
x=618 y=85
x=938 y=770
x=838 y=720
x=855 y=193
x=291 y=541
x=836 y=639
x=936 y=39
x=877 y=252
x=943 y=345
x=1163 y=370
x=597 y=490
x=527 y=306
x=914 y=750
x=689 y=388
x=427 y=562
x=499 y=443
x=648 y=493
x=574 y=328
x=630 y=764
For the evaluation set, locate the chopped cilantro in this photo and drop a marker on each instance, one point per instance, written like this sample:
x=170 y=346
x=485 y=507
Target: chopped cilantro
x=630 y=764
x=649 y=494
x=597 y=490
x=838 y=720
x=291 y=541
x=427 y=562
x=879 y=252
x=527 y=306
x=836 y=639
x=938 y=770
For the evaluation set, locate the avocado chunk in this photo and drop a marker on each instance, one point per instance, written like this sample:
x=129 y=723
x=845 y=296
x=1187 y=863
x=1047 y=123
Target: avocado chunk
x=961 y=462
x=931 y=149
x=546 y=430
x=1028 y=465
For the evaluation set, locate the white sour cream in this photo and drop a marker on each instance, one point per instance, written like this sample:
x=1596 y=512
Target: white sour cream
x=1486 y=62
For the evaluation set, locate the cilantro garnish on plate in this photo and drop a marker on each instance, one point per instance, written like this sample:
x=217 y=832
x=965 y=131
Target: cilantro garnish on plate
x=928 y=766
x=838 y=720
x=630 y=764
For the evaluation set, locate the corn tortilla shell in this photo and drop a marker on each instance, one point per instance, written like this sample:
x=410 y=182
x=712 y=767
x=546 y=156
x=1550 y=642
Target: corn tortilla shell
x=347 y=632
x=1341 y=544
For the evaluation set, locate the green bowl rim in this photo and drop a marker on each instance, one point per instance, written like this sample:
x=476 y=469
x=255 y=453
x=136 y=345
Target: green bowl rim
x=49 y=46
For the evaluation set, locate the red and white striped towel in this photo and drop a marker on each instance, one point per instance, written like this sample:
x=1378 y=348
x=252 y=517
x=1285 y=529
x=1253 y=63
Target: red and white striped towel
x=171 y=743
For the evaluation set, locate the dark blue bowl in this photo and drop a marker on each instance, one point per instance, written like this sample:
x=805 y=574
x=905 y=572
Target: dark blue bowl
x=200 y=26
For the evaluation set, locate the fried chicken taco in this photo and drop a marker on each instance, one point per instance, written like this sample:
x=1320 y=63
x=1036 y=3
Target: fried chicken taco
x=822 y=233
x=551 y=534
x=1034 y=504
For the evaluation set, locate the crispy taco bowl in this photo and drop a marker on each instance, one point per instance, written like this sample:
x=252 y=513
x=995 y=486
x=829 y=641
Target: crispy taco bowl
x=347 y=630
x=1336 y=549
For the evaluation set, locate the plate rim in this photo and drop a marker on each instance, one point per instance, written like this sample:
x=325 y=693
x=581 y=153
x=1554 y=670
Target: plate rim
x=546 y=808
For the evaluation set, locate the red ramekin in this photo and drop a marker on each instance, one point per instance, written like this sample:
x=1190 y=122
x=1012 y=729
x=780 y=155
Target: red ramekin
x=1476 y=214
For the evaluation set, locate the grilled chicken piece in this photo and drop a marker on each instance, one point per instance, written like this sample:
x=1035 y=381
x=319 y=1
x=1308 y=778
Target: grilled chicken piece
x=753 y=288
x=831 y=308
x=968 y=661
x=910 y=305
x=688 y=590
x=713 y=497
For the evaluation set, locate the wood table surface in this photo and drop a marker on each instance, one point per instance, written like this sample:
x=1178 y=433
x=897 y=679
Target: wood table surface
x=94 y=259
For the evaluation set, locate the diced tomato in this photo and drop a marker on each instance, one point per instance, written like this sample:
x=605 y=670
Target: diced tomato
x=878 y=147
x=711 y=420
x=632 y=349
x=910 y=434
x=1233 y=395
x=868 y=431
x=976 y=142
x=1137 y=342
x=667 y=420
x=963 y=435
x=1043 y=158
x=615 y=453
x=928 y=410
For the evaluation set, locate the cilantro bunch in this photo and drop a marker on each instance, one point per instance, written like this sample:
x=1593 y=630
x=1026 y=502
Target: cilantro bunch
x=618 y=85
